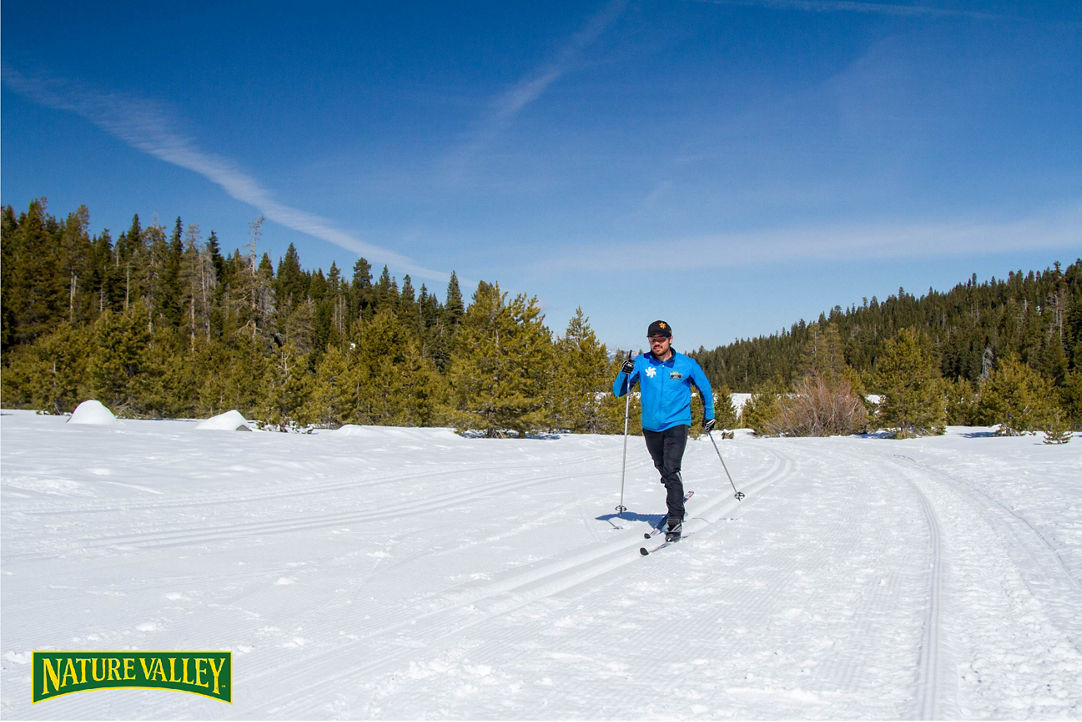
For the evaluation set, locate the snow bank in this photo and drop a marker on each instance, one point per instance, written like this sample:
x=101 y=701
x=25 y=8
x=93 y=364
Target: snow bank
x=93 y=413
x=351 y=430
x=229 y=421
x=392 y=432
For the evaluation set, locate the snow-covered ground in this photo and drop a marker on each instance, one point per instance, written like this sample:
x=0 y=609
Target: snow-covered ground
x=386 y=573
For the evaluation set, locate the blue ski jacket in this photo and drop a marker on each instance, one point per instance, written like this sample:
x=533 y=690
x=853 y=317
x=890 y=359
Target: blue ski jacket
x=665 y=387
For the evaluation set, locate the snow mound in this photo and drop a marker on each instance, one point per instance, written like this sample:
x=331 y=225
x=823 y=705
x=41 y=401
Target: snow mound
x=229 y=421
x=422 y=435
x=93 y=413
x=383 y=432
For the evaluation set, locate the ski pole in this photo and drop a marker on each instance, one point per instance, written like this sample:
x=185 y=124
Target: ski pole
x=739 y=494
x=623 y=466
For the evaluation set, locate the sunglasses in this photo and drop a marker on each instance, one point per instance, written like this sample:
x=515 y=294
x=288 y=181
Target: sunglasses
x=657 y=339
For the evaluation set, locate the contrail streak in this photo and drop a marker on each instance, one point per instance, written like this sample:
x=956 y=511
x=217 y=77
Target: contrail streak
x=145 y=126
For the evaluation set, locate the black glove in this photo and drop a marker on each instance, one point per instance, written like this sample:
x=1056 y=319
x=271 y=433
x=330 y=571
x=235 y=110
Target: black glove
x=628 y=366
x=708 y=425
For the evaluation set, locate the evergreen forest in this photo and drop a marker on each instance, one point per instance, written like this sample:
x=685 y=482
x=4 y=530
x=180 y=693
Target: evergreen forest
x=162 y=322
x=1005 y=352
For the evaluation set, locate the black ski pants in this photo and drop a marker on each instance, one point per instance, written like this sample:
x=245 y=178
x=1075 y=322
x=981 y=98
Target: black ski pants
x=667 y=450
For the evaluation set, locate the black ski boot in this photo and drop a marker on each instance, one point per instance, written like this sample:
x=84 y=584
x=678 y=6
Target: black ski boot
x=673 y=528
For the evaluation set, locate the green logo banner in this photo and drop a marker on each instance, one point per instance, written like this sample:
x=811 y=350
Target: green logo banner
x=204 y=673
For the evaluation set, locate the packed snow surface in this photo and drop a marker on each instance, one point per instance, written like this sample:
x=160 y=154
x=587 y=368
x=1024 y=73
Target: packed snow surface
x=386 y=573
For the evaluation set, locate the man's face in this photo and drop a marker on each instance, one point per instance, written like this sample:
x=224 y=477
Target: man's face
x=659 y=345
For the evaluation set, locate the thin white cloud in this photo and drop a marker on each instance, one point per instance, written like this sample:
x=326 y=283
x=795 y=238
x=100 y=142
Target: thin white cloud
x=1057 y=229
x=507 y=106
x=147 y=127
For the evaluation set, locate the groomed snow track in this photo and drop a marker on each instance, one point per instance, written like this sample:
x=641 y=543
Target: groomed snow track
x=415 y=574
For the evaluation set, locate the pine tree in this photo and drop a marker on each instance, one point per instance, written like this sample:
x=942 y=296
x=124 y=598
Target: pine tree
x=339 y=305
x=501 y=364
x=118 y=358
x=1071 y=399
x=287 y=385
x=291 y=286
x=75 y=257
x=361 y=293
x=35 y=287
x=158 y=258
x=1016 y=398
x=724 y=410
x=50 y=374
x=130 y=253
x=170 y=293
x=385 y=292
x=101 y=254
x=198 y=281
x=299 y=326
x=8 y=260
x=581 y=379
x=397 y=385
x=763 y=405
x=444 y=326
x=253 y=301
x=454 y=308
x=824 y=354
x=1057 y=430
x=913 y=392
x=334 y=398
x=237 y=369
x=170 y=376
x=961 y=402
x=214 y=248
x=407 y=308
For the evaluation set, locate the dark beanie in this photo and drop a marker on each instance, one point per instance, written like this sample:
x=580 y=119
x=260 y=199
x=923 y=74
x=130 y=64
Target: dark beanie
x=659 y=328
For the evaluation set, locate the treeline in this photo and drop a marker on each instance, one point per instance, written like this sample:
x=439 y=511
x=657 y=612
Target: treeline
x=162 y=323
x=1003 y=352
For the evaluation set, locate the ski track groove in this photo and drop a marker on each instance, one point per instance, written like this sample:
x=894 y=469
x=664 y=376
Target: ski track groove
x=928 y=658
x=520 y=588
x=299 y=490
x=239 y=530
x=288 y=657
x=929 y=665
x=975 y=515
x=1042 y=560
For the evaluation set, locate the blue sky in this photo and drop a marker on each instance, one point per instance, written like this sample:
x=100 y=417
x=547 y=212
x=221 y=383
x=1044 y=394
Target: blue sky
x=731 y=167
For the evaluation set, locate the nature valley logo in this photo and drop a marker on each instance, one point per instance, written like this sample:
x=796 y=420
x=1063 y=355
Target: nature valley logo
x=205 y=673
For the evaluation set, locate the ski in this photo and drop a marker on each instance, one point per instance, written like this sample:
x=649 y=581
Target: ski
x=647 y=552
x=654 y=531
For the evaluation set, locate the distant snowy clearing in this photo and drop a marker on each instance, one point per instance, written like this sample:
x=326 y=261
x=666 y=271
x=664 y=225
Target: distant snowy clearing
x=389 y=573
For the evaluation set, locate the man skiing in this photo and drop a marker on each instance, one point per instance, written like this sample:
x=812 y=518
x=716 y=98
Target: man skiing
x=665 y=377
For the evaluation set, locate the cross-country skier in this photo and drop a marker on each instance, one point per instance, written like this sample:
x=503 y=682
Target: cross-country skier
x=665 y=377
